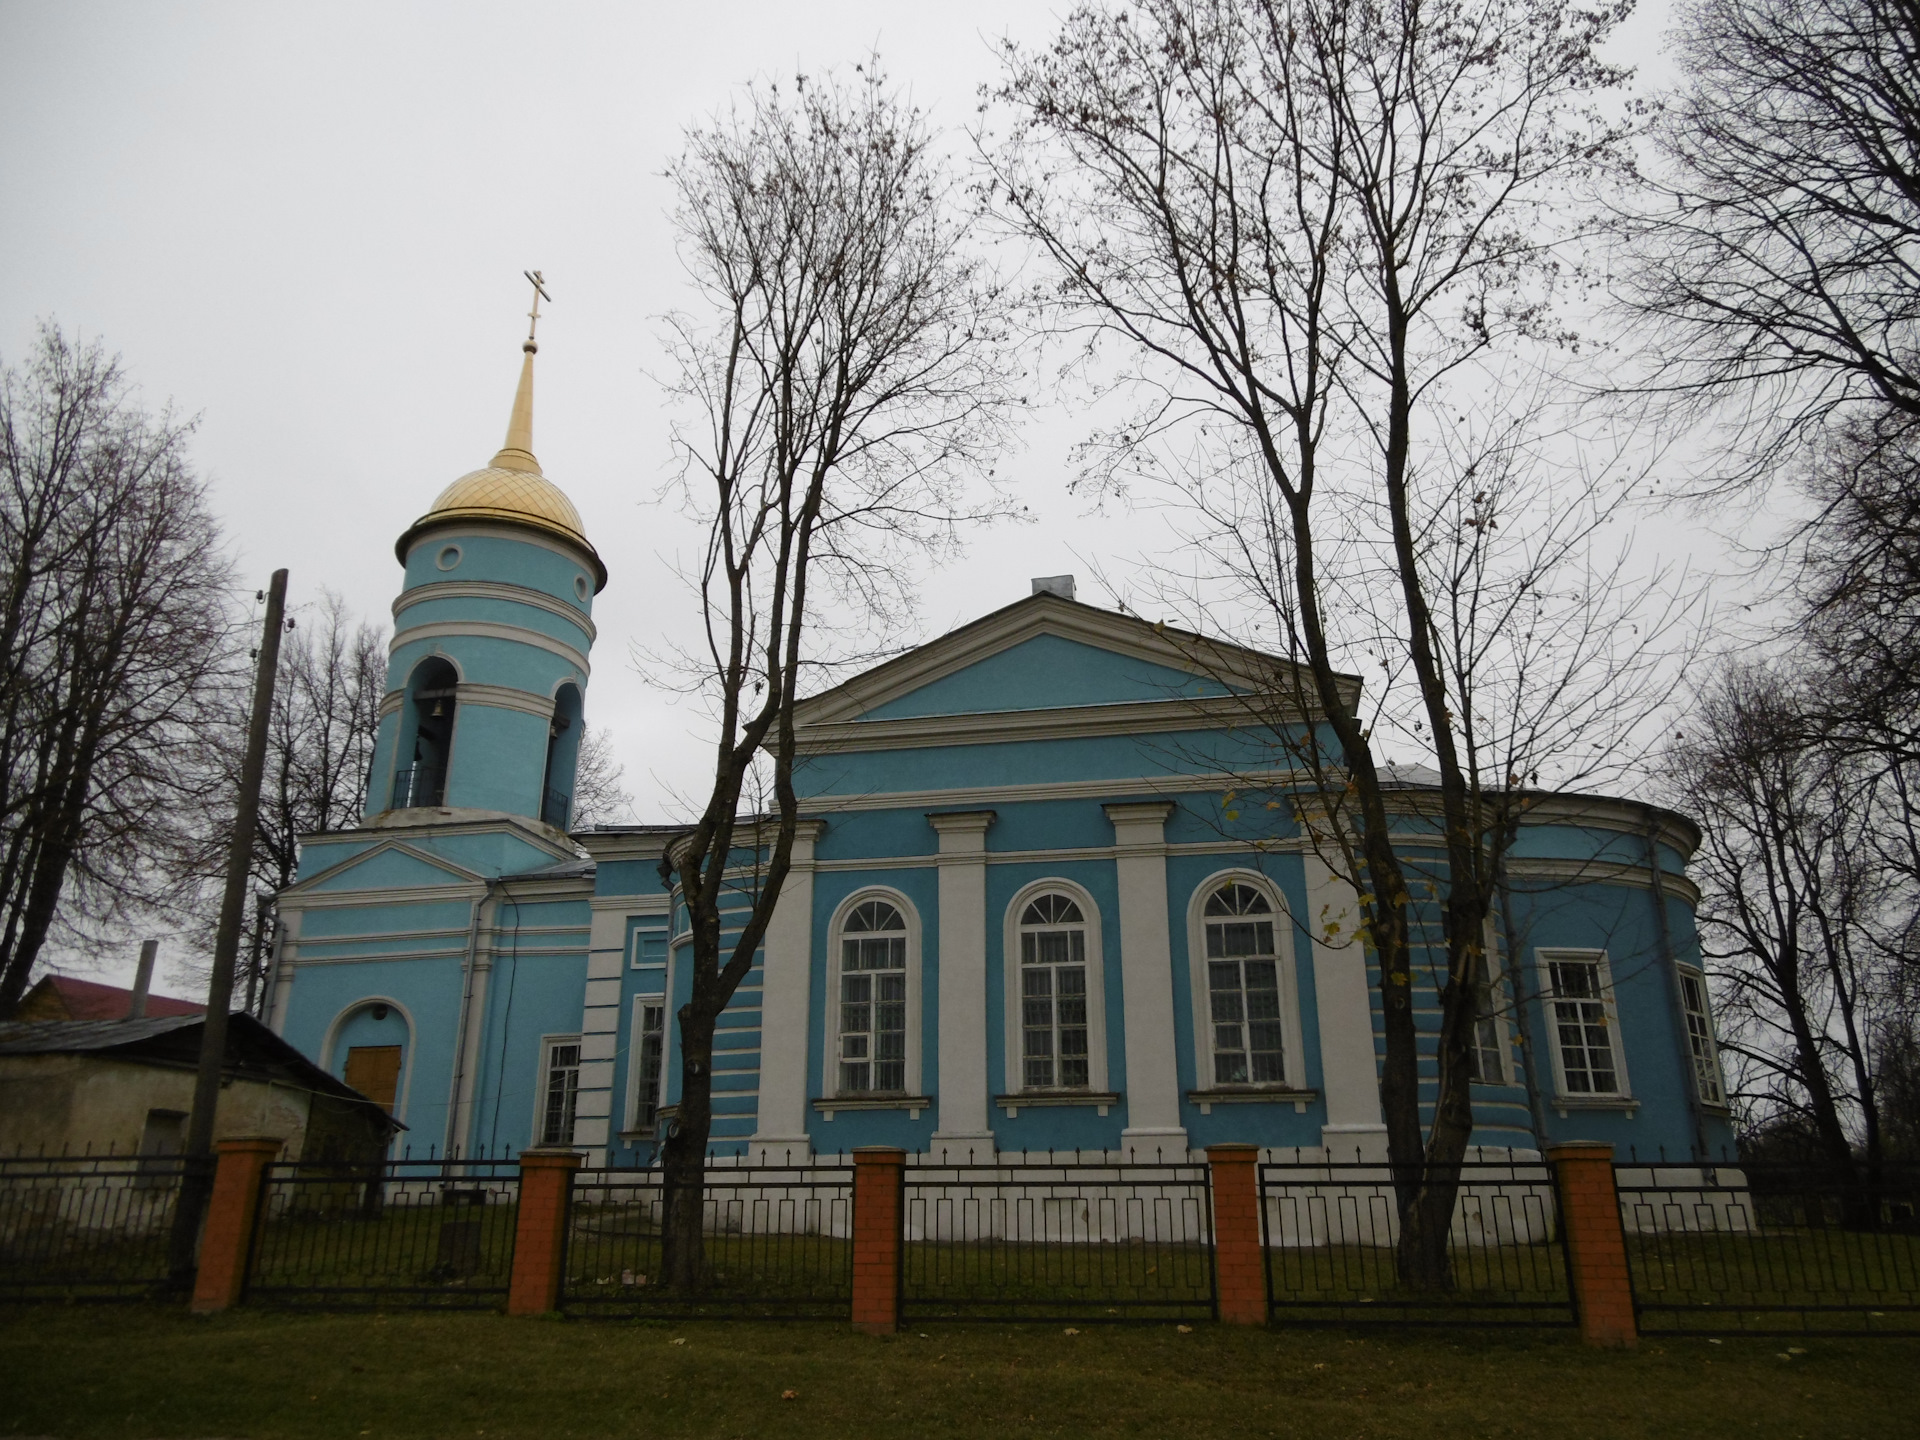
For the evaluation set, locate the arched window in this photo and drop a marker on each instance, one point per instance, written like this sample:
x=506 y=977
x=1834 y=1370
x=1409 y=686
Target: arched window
x=564 y=733
x=873 y=1000
x=1246 y=1020
x=426 y=736
x=1054 y=1035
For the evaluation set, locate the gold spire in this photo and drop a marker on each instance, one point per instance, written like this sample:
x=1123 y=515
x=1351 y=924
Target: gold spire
x=511 y=490
x=517 y=453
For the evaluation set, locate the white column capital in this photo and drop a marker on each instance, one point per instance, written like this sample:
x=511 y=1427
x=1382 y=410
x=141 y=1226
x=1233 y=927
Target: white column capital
x=1139 y=823
x=962 y=832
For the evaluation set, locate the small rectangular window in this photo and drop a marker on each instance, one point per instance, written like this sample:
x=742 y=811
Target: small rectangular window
x=649 y=1050
x=1706 y=1054
x=560 y=1088
x=1583 y=1027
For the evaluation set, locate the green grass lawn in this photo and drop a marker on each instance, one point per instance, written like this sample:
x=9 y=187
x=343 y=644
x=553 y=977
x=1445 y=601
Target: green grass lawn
x=137 y=1371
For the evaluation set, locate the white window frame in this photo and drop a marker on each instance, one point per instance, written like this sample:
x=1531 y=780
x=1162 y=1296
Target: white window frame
x=636 y=1029
x=1503 y=1035
x=830 y=1059
x=1015 y=1072
x=1699 y=977
x=1293 y=1061
x=547 y=1046
x=1610 y=1009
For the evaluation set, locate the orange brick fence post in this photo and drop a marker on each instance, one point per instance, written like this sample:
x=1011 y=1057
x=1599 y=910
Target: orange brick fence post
x=1239 y=1267
x=540 y=1230
x=1596 y=1242
x=226 y=1242
x=879 y=1205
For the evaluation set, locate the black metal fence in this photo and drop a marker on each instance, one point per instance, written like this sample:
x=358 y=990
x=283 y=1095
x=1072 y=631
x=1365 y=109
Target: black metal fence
x=1331 y=1232
x=88 y=1227
x=427 y=1233
x=778 y=1240
x=1769 y=1249
x=1091 y=1240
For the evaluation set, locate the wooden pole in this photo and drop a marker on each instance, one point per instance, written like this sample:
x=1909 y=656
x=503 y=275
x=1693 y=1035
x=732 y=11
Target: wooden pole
x=196 y=1183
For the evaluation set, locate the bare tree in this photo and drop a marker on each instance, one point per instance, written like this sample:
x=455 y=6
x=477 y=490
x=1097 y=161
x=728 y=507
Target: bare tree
x=114 y=640
x=1810 y=927
x=1313 y=227
x=598 y=796
x=849 y=379
x=1777 y=256
x=325 y=719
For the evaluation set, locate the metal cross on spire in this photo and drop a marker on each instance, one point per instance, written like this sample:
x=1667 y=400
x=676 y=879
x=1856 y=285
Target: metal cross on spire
x=535 y=279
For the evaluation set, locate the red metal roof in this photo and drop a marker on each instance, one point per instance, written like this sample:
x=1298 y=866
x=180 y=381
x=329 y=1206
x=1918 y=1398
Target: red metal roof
x=90 y=1000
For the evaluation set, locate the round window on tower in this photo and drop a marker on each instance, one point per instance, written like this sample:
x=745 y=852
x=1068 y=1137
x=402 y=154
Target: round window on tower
x=581 y=588
x=448 y=557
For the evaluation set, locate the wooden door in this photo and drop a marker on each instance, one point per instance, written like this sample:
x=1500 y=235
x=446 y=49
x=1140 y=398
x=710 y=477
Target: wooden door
x=374 y=1070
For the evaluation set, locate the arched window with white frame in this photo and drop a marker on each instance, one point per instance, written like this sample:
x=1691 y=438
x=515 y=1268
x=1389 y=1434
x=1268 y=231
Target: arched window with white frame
x=1056 y=1013
x=1246 y=1007
x=873 y=1047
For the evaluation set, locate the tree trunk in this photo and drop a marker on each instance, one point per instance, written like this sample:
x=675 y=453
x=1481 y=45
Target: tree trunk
x=683 y=1159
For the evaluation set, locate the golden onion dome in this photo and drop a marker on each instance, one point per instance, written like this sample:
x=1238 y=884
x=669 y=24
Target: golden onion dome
x=511 y=490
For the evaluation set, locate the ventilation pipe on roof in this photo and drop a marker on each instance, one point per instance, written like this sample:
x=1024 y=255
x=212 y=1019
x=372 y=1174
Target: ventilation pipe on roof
x=1061 y=585
x=142 y=980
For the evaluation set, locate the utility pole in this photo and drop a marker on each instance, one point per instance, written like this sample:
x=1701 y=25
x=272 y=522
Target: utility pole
x=196 y=1183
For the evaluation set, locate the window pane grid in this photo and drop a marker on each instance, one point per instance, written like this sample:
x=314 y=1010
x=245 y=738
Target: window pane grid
x=562 y=1088
x=873 y=1001
x=1582 y=1029
x=1054 y=1046
x=653 y=1026
x=1243 y=989
x=1706 y=1060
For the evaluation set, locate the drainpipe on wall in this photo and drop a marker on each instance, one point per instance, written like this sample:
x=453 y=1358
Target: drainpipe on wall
x=459 y=1098
x=1689 y=1076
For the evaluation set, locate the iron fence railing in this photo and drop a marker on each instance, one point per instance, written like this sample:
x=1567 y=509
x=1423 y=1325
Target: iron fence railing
x=778 y=1243
x=1331 y=1237
x=86 y=1227
x=406 y=1232
x=1771 y=1249
x=418 y=786
x=1090 y=1239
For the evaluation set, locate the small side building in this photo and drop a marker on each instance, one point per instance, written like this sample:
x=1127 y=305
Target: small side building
x=126 y=1087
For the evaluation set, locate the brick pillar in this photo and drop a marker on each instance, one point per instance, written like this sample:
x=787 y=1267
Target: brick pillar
x=1596 y=1243
x=879 y=1204
x=226 y=1244
x=1239 y=1267
x=540 y=1230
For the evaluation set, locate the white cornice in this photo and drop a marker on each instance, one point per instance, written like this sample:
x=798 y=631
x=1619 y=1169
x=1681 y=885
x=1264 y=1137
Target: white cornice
x=1046 y=614
x=1064 y=722
x=495 y=590
x=490 y=630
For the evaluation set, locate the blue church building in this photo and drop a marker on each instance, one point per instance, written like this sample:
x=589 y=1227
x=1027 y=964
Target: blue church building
x=1049 y=893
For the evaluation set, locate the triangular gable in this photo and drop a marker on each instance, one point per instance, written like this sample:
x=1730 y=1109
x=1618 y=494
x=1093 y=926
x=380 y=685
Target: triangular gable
x=1048 y=670
x=391 y=866
x=1109 y=659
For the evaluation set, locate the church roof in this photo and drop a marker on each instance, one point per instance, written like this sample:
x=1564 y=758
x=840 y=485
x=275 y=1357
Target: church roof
x=511 y=490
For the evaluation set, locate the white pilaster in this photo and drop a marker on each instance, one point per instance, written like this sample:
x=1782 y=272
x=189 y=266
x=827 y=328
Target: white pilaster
x=473 y=1029
x=286 y=951
x=1349 y=1078
x=1146 y=979
x=596 y=1104
x=963 y=1089
x=786 y=1009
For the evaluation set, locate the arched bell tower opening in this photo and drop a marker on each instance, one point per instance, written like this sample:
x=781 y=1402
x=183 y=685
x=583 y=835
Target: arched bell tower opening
x=563 y=757
x=426 y=735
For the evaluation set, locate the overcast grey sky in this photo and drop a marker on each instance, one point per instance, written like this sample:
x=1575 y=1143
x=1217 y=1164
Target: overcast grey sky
x=307 y=226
